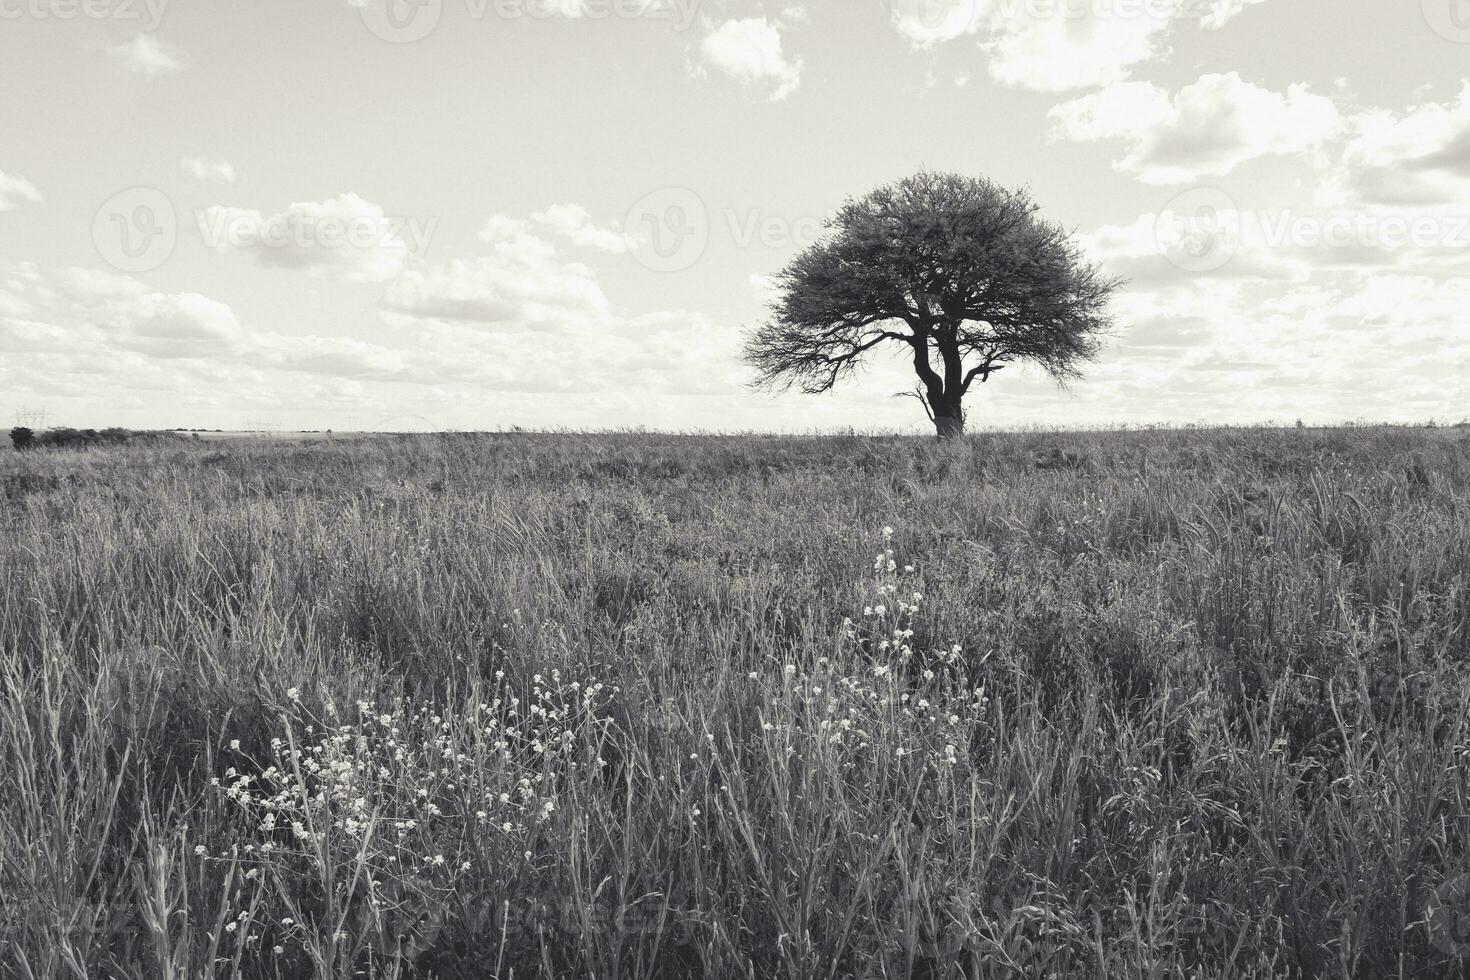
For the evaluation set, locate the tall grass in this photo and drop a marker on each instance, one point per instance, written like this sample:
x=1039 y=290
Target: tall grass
x=1156 y=704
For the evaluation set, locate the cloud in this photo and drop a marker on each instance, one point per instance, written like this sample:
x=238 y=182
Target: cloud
x=1195 y=240
x=1418 y=157
x=928 y=22
x=1058 y=45
x=15 y=191
x=146 y=55
x=1208 y=128
x=105 y=324
x=521 y=280
x=1189 y=244
x=344 y=237
x=572 y=222
x=208 y=171
x=172 y=325
x=749 y=50
x=1061 y=49
x=1217 y=13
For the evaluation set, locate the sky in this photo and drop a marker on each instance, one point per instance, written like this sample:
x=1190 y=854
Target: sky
x=478 y=214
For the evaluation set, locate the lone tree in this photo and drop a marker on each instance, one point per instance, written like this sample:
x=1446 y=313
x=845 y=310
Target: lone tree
x=961 y=272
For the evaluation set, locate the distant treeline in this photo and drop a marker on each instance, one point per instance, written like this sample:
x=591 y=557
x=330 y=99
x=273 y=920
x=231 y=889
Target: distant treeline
x=64 y=437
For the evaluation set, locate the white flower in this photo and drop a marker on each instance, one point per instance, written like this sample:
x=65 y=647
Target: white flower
x=293 y=694
x=235 y=744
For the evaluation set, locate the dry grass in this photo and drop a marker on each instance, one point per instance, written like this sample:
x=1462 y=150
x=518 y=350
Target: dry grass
x=1157 y=704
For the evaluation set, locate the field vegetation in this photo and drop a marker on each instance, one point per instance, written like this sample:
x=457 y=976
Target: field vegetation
x=1183 y=703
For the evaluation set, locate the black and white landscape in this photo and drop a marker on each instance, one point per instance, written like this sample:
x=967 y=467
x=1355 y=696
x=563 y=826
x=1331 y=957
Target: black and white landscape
x=661 y=489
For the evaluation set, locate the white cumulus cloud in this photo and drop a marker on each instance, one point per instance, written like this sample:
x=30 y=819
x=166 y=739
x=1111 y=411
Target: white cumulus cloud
x=15 y=191
x=1207 y=128
x=750 y=51
x=146 y=55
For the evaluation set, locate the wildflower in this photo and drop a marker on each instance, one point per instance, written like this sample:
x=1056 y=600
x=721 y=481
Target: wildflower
x=235 y=744
x=199 y=850
x=278 y=950
x=293 y=694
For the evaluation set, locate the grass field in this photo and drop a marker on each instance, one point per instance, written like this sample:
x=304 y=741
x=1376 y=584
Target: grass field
x=1156 y=704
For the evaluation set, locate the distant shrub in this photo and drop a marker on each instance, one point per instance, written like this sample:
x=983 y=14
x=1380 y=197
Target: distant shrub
x=22 y=437
x=65 y=437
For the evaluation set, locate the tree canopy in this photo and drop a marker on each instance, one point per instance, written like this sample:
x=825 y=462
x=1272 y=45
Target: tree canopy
x=958 y=270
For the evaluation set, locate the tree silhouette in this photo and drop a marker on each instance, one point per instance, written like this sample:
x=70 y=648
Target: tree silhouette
x=958 y=271
x=22 y=437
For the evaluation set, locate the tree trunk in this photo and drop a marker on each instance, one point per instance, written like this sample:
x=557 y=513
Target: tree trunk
x=948 y=414
x=949 y=426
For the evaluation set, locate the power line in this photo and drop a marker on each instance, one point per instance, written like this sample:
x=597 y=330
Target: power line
x=31 y=418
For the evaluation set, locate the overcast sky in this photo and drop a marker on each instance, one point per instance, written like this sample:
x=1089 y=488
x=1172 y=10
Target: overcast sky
x=483 y=213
